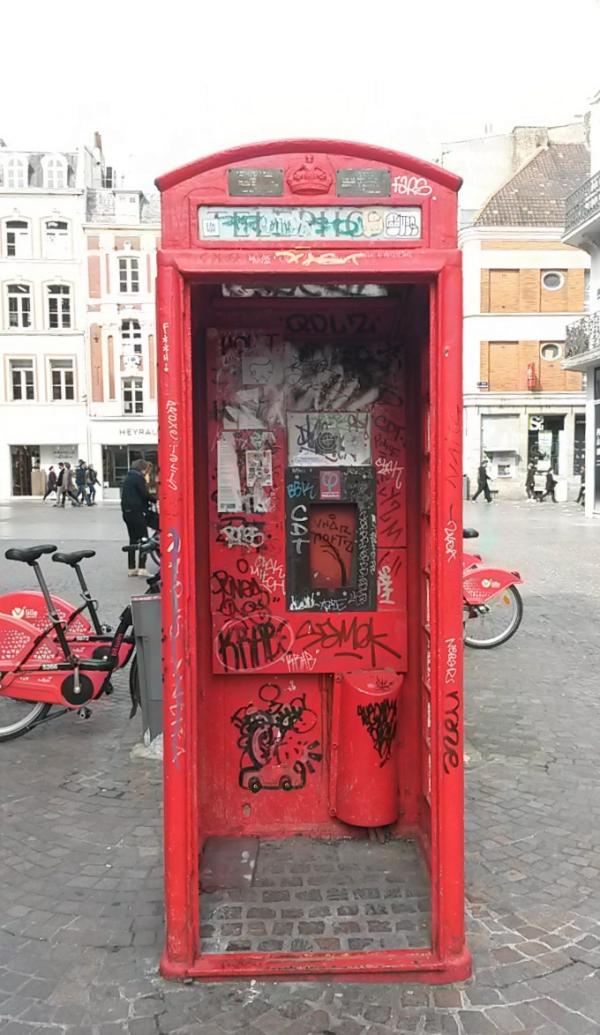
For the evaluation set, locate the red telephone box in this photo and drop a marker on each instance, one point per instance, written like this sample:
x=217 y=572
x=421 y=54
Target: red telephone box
x=309 y=320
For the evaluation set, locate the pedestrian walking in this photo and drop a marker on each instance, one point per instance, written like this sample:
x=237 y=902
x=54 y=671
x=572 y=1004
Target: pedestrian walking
x=80 y=481
x=530 y=481
x=135 y=497
x=91 y=483
x=59 y=483
x=483 y=482
x=51 y=481
x=68 y=487
x=581 y=496
x=550 y=485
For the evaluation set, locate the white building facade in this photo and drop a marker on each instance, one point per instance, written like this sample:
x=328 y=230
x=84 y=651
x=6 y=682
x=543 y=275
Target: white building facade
x=582 y=352
x=122 y=236
x=43 y=369
x=77 y=335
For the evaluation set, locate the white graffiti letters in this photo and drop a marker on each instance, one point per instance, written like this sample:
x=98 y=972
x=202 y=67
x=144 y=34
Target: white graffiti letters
x=391 y=470
x=451 y=660
x=173 y=446
x=415 y=186
x=450 y=540
x=243 y=535
x=385 y=588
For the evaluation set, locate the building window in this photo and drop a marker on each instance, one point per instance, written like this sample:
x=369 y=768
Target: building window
x=21 y=380
x=55 y=173
x=552 y=280
x=62 y=377
x=56 y=239
x=550 y=350
x=131 y=336
x=504 y=470
x=129 y=275
x=15 y=173
x=17 y=239
x=133 y=395
x=19 y=305
x=59 y=306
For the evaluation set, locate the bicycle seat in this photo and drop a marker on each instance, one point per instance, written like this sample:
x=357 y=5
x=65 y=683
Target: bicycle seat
x=73 y=558
x=470 y=533
x=30 y=554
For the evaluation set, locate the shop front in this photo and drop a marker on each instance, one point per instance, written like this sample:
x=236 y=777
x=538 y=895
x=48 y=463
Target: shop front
x=115 y=446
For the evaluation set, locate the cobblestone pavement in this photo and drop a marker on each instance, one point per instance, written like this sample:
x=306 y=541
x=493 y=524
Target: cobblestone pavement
x=80 y=857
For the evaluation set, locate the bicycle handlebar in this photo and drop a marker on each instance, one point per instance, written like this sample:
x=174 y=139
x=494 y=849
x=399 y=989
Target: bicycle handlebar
x=145 y=545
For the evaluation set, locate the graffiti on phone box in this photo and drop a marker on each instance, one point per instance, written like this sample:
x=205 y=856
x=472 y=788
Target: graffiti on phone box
x=349 y=638
x=451 y=737
x=273 y=736
x=385 y=586
x=305 y=661
x=269 y=573
x=164 y=342
x=239 y=594
x=176 y=732
x=173 y=444
x=450 y=530
x=380 y=719
x=299 y=527
x=330 y=323
x=250 y=536
x=299 y=488
x=253 y=642
x=391 y=470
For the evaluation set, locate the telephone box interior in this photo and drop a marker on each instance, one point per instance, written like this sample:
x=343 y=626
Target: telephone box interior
x=315 y=806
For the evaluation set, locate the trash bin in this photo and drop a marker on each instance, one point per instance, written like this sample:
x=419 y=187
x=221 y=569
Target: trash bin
x=146 y=623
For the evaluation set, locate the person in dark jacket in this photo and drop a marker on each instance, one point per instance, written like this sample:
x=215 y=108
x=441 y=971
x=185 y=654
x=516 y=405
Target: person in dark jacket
x=50 y=484
x=91 y=481
x=80 y=481
x=135 y=497
x=483 y=482
x=550 y=486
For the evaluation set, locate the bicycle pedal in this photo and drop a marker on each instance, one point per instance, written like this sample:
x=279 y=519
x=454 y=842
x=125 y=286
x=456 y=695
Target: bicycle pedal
x=84 y=713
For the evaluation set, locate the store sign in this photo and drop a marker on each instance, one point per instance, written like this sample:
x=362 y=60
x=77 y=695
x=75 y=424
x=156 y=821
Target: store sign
x=536 y=422
x=483 y=384
x=133 y=432
x=297 y=223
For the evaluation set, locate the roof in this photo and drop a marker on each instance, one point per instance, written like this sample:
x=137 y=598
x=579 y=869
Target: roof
x=331 y=147
x=535 y=195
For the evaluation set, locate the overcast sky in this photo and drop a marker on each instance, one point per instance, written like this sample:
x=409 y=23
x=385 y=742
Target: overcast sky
x=166 y=88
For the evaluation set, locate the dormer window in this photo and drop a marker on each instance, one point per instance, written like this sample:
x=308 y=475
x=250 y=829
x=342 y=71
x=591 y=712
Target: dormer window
x=55 y=172
x=15 y=173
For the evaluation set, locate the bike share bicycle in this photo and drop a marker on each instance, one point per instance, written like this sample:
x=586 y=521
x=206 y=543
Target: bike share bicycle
x=492 y=604
x=50 y=654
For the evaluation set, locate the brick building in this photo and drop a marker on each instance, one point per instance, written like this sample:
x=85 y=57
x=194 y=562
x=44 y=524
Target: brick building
x=522 y=286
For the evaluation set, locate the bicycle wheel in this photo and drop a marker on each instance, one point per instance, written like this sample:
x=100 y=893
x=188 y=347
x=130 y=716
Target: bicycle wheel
x=494 y=623
x=17 y=717
x=134 y=687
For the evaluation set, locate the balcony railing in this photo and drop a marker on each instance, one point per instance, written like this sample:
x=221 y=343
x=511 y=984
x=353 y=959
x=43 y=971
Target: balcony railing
x=583 y=336
x=583 y=203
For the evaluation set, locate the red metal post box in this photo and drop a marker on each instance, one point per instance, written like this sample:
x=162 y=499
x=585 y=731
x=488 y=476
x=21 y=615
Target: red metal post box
x=309 y=325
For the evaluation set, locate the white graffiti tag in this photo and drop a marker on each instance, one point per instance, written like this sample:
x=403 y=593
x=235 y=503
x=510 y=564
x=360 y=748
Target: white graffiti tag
x=173 y=444
x=385 y=588
x=243 y=535
x=415 y=186
x=451 y=660
x=450 y=540
x=391 y=470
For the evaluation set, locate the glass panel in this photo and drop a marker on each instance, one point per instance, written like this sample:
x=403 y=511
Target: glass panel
x=332 y=534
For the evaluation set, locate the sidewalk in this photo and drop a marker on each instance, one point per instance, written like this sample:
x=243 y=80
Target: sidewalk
x=80 y=852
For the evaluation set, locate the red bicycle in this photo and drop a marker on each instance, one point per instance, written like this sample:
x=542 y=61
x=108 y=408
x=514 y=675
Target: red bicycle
x=492 y=604
x=50 y=654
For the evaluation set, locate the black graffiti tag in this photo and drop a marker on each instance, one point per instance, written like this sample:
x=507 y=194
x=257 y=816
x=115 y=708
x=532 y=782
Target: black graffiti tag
x=276 y=751
x=451 y=735
x=236 y=595
x=253 y=642
x=381 y=721
x=347 y=638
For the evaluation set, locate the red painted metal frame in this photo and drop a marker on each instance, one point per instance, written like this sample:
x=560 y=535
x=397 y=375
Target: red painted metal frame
x=183 y=262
